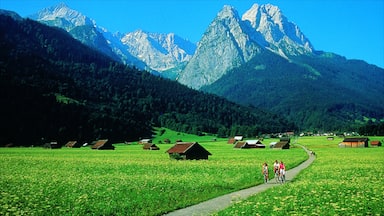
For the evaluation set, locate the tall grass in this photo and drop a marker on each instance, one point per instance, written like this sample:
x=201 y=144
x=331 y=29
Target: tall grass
x=127 y=181
x=341 y=181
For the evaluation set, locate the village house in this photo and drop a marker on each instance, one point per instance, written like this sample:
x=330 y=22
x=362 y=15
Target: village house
x=188 y=151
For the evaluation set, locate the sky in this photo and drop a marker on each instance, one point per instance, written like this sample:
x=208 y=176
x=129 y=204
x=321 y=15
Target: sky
x=351 y=28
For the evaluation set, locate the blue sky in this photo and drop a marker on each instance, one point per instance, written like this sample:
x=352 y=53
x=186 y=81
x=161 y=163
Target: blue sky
x=352 y=28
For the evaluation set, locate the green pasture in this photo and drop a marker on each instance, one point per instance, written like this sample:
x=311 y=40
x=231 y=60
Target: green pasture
x=128 y=180
x=341 y=181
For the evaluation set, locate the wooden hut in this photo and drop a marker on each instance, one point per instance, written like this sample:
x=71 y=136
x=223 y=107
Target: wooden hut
x=188 y=151
x=73 y=144
x=285 y=143
x=150 y=146
x=103 y=145
x=375 y=143
x=359 y=142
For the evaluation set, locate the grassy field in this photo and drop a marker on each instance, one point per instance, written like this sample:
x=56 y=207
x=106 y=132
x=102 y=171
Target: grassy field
x=128 y=180
x=341 y=181
x=132 y=181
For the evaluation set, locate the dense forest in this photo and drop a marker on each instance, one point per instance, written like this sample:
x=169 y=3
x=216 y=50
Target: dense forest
x=55 y=88
x=320 y=92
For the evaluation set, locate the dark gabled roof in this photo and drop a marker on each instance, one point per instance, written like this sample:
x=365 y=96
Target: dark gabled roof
x=358 y=139
x=281 y=144
x=184 y=147
x=180 y=147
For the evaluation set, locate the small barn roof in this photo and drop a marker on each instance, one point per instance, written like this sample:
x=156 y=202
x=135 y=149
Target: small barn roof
x=101 y=144
x=238 y=138
x=239 y=144
x=150 y=146
x=357 y=139
x=183 y=147
x=253 y=142
x=282 y=144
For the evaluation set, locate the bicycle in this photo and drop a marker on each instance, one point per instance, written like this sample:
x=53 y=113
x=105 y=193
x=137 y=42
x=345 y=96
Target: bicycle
x=282 y=176
x=277 y=176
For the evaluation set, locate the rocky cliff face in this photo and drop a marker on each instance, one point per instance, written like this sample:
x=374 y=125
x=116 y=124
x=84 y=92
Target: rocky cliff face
x=231 y=41
x=161 y=52
x=227 y=43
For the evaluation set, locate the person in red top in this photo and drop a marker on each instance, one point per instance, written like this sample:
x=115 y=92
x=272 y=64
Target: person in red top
x=282 y=171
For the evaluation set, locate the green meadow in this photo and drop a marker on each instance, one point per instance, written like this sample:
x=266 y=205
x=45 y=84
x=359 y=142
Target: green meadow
x=341 y=181
x=133 y=181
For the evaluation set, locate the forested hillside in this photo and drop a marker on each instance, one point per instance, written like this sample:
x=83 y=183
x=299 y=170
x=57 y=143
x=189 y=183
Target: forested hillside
x=55 y=88
x=320 y=92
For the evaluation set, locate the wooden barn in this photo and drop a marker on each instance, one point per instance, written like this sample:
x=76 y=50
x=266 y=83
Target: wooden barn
x=73 y=144
x=375 y=143
x=103 y=145
x=188 y=151
x=150 y=146
x=359 y=142
x=249 y=144
x=235 y=139
x=284 y=143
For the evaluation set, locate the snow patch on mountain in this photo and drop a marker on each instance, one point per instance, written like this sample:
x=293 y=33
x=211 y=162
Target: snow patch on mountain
x=160 y=52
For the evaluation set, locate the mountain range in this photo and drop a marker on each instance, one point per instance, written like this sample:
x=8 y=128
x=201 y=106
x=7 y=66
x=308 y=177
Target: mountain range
x=258 y=59
x=56 y=88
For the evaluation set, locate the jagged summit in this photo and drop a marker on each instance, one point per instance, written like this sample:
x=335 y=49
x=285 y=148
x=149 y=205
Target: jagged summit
x=227 y=43
x=227 y=11
x=284 y=37
x=64 y=13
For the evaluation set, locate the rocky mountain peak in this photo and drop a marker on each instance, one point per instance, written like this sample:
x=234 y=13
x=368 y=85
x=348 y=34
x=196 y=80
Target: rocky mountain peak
x=283 y=36
x=61 y=14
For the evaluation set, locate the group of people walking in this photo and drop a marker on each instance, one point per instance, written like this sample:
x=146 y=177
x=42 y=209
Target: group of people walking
x=278 y=170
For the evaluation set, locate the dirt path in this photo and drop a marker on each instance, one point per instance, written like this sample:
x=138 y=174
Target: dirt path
x=219 y=203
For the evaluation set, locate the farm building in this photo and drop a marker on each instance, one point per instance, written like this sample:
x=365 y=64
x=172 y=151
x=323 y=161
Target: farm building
x=73 y=144
x=143 y=141
x=188 y=151
x=359 y=142
x=52 y=145
x=103 y=145
x=150 y=146
x=272 y=144
x=249 y=144
x=238 y=138
x=283 y=144
x=375 y=143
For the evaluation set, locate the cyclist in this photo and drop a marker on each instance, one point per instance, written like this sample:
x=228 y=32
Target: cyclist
x=276 y=167
x=282 y=171
x=265 y=172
